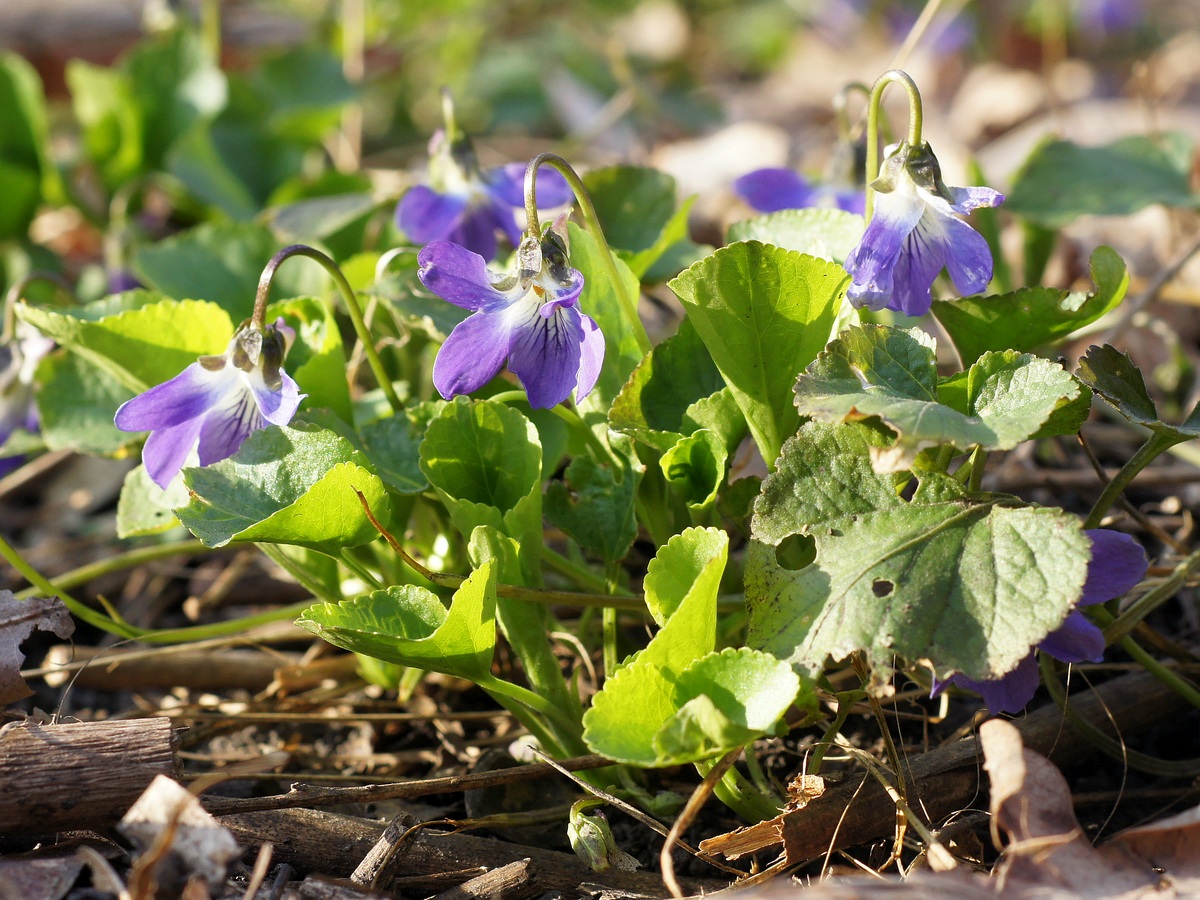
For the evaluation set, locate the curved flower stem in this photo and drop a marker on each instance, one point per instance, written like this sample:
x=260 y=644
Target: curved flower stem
x=1158 y=443
x=18 y=288
x=258 y=319
x=591 y=223
x=449 y=124
x=915 y=118
x=841 y=107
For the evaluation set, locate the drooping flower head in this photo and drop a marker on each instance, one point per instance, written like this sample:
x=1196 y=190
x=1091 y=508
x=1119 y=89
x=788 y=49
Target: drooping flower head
x=529 y=318
x=468 y=206
x=214 y=404
x=1117 y=564
x=915 y=233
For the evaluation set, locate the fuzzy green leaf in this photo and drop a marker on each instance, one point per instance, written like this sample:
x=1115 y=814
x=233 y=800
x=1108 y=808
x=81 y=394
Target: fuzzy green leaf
x=970 y=584
x=286 y=486
x=595 y=503
x=826 y=233
x=891 y=373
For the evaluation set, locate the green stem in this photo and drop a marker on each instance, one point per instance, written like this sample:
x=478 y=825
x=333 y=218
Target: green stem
x=1147 y=453
x=352 y=306
x=841 y=107
x=740 y=795
x=567 y=731
x=591 y=222
x=210 y=30
x=126 y=560
x=223 y=629
x=978 y=463
x=359 y=569
x=78 y=609
x=608 y=618
x=846 y=701
x=304 y=577
x=589 y=581
x=915 y=119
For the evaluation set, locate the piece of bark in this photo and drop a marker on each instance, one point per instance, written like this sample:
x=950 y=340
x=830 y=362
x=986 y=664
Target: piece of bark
x=316 y=888
x=205 y=670
x=78 y=775
x=382 y=861
x=950 y=778
x=309 y=839
x=515 y=881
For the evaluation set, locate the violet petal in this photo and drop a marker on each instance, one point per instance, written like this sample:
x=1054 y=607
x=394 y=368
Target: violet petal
x=1076 y=640
x=472 y=354
x=458 y=275
x=772 y=189
x=546 y=353
x=425 y=215
x=1117 y=566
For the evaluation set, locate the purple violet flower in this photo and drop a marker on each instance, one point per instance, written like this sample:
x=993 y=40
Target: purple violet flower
x=529 y=318
x=467 y=206
x=1102 y=17
x=770 y=190
x=914 y=233
x=1117 y=565
x=211 y=407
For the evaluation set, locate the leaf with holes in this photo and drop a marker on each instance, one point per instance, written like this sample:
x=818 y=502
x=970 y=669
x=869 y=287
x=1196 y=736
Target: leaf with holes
x=969 y=583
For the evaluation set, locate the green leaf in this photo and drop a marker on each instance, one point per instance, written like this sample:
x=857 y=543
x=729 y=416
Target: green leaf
x=222 y=263
x=826 y=233
x=970 y=584
x=317 y=218
x=286 y=486
x=143 y=344
x=408 y=625
x=652 y=405
x=633 y=203
x=1112 y=375
x=595 y=503
x=729 y=699
x=76 y=404
x=485 y=462
x=392 y=444
x=27 y=173
x=641 y=698
x=1062 y=180
x=174 y=84
x=103 y=103
x=305 y=90
x=695 y=469
x=145 y=508
x=764 y=313
x=1032 y=317
x=890 y=373
x=600 y=300
x=316 y=360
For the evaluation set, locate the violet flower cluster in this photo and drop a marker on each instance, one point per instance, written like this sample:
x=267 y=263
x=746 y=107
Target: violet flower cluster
x=528 y=318
x=468 y=206
x=915 y=233
x=207 y=411
x=1118 y=563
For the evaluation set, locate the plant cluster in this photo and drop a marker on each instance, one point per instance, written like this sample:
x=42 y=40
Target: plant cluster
x=519 y=445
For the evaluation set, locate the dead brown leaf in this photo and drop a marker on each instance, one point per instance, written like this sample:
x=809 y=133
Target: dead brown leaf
x=18 y=620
